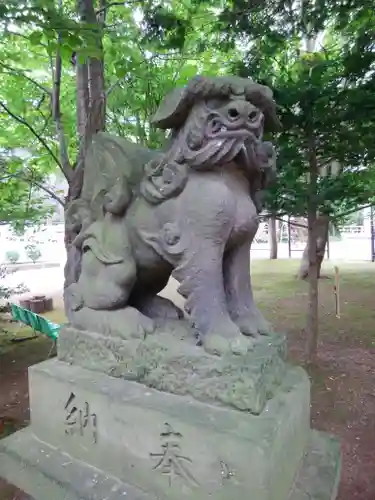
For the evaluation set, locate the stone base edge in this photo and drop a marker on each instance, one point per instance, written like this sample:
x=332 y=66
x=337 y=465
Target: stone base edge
x=46 y=473
x=320 y=472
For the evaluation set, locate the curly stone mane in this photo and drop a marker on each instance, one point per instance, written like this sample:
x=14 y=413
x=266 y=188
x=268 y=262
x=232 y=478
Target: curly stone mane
x=186 y=113
x=176 y=106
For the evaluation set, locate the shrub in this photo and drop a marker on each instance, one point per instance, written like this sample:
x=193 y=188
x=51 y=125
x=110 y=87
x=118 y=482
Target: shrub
x=33 y=252
x=7 y=291
x=12 y=256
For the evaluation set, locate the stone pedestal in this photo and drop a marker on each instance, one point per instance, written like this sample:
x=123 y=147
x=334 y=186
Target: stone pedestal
x=96 y=437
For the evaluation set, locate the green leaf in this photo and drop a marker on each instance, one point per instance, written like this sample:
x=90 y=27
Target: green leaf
x=35 y=37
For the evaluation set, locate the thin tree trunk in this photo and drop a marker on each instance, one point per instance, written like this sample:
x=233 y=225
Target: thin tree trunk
x=312 y=314
x=82 y=96
x=66 y=166
x=91 y=96
x=322 y=226
x=91 y=111
x=272 y=236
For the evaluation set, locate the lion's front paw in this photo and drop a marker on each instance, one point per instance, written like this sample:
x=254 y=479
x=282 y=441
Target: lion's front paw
x=254 y=324
x=127 y=323
x=225 y=338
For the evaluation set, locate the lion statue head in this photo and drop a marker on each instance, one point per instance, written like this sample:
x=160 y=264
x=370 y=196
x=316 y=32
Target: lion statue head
x=214 y=122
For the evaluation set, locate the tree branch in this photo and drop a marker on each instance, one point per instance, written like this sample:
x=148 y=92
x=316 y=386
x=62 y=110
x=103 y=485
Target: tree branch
x=18 y=72
x=296 y=224
x=25 y=37
x=279 y=217
x=33 y=131
x=53 y=195
x=103 y=11
x=351 y=211
x=331 y=218
x=24 y=177
x=112 y=87
x=112 y=4
x=165 y=57
x=46 y=120
x=56 y=113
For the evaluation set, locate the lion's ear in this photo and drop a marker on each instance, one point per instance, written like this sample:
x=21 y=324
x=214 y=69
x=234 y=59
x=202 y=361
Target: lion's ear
x=173 y=110
x=176 y=105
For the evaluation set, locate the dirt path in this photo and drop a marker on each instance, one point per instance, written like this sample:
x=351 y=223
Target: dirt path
x=343 y=397
x=343 y=403
x=14 y=397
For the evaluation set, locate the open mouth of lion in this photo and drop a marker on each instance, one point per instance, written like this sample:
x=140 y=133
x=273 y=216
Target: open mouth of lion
x=243 y=157
x=241 y=136
x=217 y=129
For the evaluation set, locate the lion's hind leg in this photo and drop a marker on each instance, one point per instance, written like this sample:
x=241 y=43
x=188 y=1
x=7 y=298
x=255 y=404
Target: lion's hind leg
x=157 y=307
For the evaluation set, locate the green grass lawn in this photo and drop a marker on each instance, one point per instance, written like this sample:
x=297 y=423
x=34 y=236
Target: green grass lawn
x=283 y=300
x=343 y=379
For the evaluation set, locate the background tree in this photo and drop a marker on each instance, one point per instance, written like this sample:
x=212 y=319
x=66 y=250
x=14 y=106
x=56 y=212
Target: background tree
x=318 y=58
x=94 y=65
x=75 y=62
x=21 y=204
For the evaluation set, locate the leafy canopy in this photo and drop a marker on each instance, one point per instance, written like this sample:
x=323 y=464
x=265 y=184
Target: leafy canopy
x=317 y=56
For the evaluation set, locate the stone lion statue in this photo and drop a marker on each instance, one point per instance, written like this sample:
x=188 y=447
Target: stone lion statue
x=190 y=211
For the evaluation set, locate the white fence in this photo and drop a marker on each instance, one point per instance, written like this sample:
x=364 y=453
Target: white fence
x=355 y=244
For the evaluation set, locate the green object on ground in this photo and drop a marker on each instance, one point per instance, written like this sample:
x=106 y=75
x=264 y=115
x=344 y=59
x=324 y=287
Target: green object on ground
x=36 y=322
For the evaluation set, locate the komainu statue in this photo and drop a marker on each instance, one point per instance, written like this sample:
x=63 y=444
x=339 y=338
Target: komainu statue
x=190 y=211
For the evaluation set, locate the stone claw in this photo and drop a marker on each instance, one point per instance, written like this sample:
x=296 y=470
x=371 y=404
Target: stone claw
x=221 y=340
x=254 y=324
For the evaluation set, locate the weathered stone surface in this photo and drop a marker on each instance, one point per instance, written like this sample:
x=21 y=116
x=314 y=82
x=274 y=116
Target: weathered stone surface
x=50 y=474
x=170 y=361
x=47 y=473
x=133 y=407
x=228 y=453
x=319 y=475
x=189 y=211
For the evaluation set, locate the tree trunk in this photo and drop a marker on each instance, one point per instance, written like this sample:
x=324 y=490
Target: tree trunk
x=312 y=314
x=82 y=96
x=321 y=227
x=272 y=237
x=91 y=112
